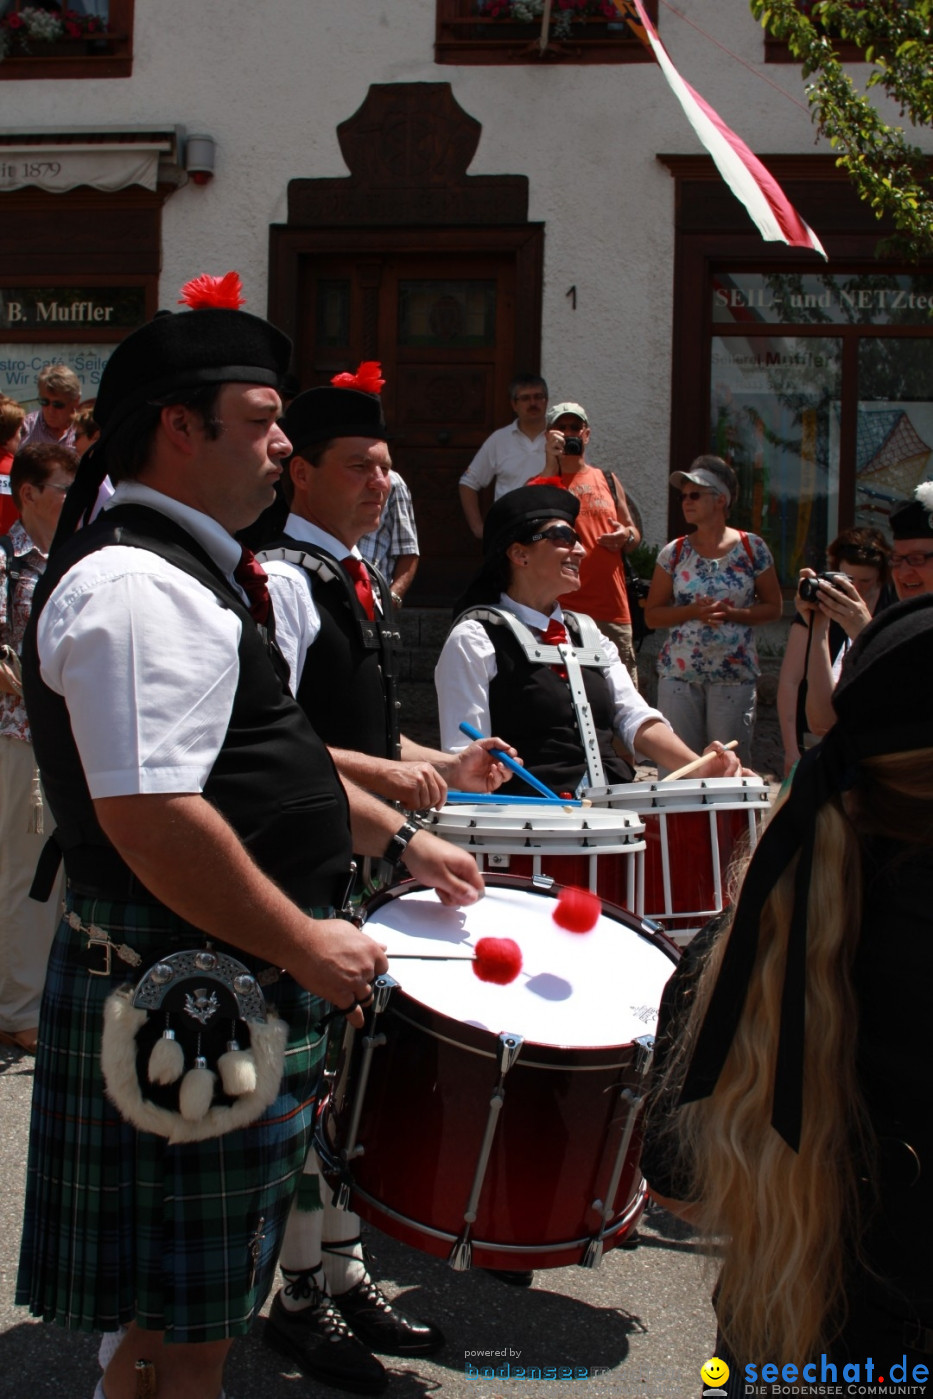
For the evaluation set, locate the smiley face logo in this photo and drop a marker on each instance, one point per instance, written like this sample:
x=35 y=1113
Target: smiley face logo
x=715 y=1372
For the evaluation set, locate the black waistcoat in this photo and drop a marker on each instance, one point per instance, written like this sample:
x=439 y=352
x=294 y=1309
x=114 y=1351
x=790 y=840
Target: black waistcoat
x=531 y=708
x=347 y=686
x=273 y=779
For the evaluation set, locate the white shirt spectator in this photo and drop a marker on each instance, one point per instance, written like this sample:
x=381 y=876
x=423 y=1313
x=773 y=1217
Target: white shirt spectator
x=508 y=457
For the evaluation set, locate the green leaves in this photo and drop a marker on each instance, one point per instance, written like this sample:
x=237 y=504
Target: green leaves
x=895 y=38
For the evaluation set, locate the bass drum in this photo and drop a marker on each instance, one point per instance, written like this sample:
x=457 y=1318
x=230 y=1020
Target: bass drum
x=496 y=1125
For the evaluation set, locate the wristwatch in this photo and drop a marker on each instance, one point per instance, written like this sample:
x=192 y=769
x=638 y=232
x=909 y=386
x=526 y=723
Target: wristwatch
x=396 y=599
x=394 y=852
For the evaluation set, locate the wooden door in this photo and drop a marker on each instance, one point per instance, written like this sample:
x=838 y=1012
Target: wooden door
x=443 y=327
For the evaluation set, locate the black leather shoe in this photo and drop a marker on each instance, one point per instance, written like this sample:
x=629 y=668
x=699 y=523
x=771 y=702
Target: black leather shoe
x=321 y=1344
x=381 y=1326
x=515 y=1277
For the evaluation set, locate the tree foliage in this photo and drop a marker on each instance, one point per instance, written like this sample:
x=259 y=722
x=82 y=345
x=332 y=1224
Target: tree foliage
x=894 y=36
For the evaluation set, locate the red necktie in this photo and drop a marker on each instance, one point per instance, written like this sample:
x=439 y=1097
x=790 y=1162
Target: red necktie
x=355 y=569
x=555 y=634
x=254 y=582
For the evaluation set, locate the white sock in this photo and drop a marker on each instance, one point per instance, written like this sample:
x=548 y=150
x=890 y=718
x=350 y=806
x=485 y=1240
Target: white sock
x=343 y=1269
x=109 y=1342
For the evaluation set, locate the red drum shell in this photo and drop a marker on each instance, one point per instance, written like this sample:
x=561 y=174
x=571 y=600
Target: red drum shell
x=695 y=832
x=425 y=1110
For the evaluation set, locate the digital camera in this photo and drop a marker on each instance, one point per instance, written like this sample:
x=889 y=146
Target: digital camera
x=809 y=588
x=573 y=447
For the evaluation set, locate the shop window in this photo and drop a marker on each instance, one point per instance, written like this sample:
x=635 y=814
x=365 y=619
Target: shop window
x=820 y=398
x=80 y=39
x=509 y=31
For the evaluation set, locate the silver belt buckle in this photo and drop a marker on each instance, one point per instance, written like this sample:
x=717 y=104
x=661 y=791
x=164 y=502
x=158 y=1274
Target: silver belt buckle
x=107 y=945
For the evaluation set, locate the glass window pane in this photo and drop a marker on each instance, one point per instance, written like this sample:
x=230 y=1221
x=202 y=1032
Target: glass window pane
x=774 y=411
x=814 y=298
x=333 y=313
x=894 y=446
x=447 y=314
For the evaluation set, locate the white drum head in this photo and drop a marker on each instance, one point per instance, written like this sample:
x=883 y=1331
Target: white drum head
x=688 y=794
x=592 y=989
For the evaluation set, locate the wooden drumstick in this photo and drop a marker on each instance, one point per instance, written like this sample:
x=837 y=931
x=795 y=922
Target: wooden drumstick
x=687 y=768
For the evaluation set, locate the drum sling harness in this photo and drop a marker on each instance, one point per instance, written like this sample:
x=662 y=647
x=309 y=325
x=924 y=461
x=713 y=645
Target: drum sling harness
x=571 y=658
x=375 y=635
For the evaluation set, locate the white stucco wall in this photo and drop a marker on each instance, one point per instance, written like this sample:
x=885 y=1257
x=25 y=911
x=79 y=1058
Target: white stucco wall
x=271 y=82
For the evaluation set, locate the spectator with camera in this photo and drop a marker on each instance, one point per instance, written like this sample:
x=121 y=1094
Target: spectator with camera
x=832 y=609
x=604 y=525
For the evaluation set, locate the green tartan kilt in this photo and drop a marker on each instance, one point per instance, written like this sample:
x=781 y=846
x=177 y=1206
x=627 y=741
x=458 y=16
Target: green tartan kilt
x=119 y=1225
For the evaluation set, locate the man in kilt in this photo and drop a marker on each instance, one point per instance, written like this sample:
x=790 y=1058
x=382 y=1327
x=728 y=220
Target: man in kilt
x=196 y=809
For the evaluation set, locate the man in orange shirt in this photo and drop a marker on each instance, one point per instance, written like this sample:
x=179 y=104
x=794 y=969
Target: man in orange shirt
x=604 y=525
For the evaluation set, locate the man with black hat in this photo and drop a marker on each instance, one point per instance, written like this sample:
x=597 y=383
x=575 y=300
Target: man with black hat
x=912 y=555
x=188 y=790
x=334 y=622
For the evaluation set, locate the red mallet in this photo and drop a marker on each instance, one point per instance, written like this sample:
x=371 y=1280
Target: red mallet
x=577 y=910
x=498 y=960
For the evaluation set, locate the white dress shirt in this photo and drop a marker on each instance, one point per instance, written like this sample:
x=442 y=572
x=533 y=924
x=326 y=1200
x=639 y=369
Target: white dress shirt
x=145 y=657
x=509 y=458
x=297 y=619
x=467 y=665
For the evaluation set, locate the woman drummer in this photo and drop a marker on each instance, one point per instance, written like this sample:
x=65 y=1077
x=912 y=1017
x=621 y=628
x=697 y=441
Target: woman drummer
x=499 y=669
x=792 y=1120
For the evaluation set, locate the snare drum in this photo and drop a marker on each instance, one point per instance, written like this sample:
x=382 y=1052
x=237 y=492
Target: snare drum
x=694 y=830
x=601 y=850
x=497 y=1126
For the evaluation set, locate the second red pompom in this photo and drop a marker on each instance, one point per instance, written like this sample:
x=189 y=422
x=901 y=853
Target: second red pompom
x=577 y=910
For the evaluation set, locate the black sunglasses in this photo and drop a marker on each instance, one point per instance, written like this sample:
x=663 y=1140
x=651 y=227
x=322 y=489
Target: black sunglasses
x=53 y=403
x=693 y=495
x=557 y=534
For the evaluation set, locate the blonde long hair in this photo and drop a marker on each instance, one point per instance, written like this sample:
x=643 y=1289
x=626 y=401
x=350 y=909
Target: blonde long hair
x=788 y=1221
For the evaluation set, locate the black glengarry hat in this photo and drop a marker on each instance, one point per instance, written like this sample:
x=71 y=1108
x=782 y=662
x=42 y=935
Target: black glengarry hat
x=216 y=343
x=514 y=513
x=349 y=406
x=914 y=519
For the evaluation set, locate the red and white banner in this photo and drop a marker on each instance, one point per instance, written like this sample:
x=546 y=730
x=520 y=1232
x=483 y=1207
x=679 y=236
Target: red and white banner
x=769 y=207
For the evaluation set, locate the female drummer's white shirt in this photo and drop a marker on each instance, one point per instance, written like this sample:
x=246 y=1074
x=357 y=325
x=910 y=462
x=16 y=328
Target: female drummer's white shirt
x=145 y=657
x=467 y=665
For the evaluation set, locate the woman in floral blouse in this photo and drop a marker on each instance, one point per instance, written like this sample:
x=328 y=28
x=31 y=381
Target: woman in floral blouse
x=39 y=478
x=711 y=587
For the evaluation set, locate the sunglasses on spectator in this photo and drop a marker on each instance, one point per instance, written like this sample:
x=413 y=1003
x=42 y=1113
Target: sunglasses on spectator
x=530 y=398
x=53 y=403
x=910 y=560
x=557 y=534
x=693 y=495
x=54 y=486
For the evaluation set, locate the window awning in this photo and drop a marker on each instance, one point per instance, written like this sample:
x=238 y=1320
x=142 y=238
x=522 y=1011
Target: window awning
x=104 y=159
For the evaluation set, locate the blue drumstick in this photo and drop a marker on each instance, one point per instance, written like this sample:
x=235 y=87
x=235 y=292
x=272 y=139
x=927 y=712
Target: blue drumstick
x=510 y=763
x=493 y=799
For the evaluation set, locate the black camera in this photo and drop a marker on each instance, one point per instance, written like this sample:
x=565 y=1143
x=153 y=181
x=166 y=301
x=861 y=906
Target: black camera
x=809 y=588
x=573 y=447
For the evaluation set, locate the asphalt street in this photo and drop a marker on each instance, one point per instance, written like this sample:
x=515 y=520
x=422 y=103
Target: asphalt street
x=643 y=1318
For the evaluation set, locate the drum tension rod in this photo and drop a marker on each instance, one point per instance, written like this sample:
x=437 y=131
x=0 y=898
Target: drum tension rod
x=633 y=1096
x=507 y=1051
x=383 y=987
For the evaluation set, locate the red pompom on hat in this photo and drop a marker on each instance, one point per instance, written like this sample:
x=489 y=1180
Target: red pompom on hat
x=577 y=910
x=207 y=291
x=368 y=378
x=498 y=960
